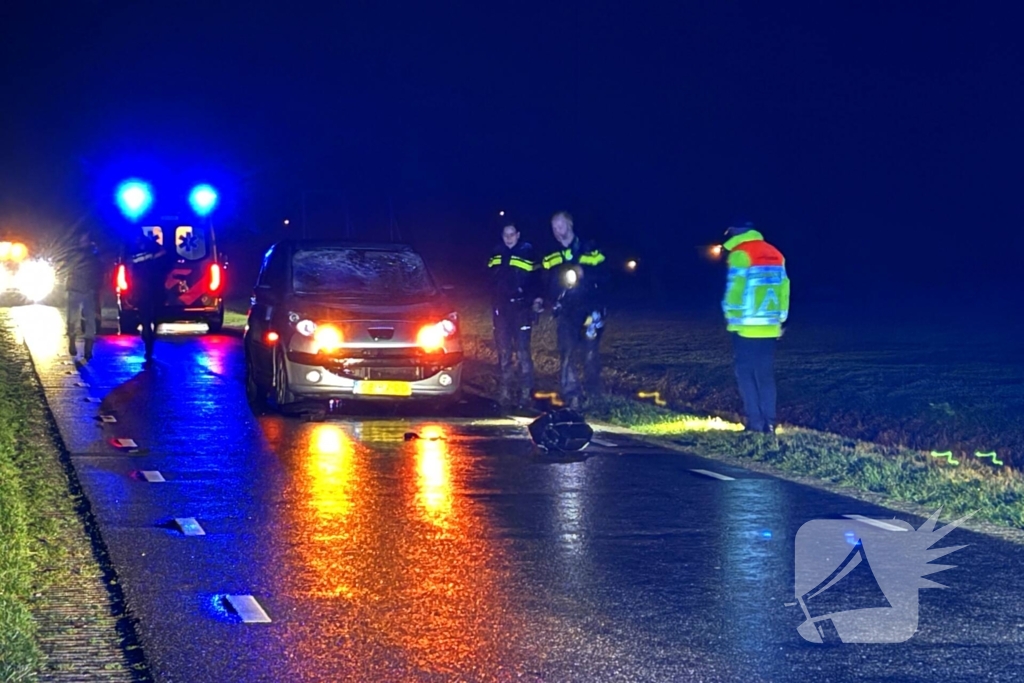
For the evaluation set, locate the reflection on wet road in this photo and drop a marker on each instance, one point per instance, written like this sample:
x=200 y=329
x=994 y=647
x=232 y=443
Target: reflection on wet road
x=417 y=547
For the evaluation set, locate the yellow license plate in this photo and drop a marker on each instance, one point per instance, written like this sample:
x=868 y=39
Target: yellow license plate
x=382 y=388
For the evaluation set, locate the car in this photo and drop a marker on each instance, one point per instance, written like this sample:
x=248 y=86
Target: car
x=194 y=289
x=24 y=277
x=337 y=321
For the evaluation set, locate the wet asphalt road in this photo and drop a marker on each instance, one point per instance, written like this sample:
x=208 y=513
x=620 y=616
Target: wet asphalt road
x=461 y=555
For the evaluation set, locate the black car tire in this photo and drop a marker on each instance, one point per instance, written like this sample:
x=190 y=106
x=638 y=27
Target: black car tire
x=216 y=321
x=255 y=392
x=127 y=323
x=284 y=399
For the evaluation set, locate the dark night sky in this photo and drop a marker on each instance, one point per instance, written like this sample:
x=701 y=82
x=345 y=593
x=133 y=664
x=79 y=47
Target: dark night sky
x=872 y=142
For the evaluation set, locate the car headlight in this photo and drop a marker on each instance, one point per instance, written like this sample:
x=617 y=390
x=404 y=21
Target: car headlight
x=326 y=338
x=35 y=279
x=432 y=337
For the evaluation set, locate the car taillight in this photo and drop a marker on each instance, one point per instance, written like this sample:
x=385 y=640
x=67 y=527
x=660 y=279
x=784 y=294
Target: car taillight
x=432 y=337
x=272 y=337
x=327 y=338
x=215 y=277
x=121 y=279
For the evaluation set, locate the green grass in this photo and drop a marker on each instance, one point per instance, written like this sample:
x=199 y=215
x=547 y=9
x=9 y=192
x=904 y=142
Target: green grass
x=19 y=654
x=37 y=512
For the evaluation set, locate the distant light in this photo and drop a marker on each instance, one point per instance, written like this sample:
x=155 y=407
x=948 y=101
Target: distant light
x=35 y=279
x=286 y=221
x=203 y=199
x=134 y=197
x=501 y=213
x=716 y=250
x=631 y=265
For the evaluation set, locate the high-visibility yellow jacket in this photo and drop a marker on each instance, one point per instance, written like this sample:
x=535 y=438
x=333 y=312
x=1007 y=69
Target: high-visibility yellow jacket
x=756 y=300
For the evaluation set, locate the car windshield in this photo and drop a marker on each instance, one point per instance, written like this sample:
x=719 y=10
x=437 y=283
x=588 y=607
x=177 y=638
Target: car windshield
x=361 y=273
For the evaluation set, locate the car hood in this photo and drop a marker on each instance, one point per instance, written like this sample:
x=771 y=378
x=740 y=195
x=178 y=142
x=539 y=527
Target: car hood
x=332 y=308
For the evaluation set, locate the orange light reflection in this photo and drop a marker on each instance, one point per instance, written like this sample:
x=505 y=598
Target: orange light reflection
x=434 y=476
x=407 y=573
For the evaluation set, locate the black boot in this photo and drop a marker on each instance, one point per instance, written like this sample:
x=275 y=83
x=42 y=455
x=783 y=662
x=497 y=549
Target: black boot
x=88 y=348
x=72 y=349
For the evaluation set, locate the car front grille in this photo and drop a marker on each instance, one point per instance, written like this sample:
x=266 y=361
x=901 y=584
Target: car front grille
x=399 y=365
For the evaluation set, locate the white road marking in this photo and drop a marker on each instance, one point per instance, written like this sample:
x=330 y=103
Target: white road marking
x=189 y=526
x=247 y=608
x=91 y=399
x=153 y=476
x=605 y=443
x=108 y=418
x=125 y=443
x=81 y=384
x=875 y=522
x=714 y=475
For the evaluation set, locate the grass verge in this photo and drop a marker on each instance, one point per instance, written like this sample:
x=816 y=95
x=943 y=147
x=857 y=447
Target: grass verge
x=55 y=612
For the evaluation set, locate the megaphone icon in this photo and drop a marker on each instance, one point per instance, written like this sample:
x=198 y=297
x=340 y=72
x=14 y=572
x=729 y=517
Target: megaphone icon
x=851 y=586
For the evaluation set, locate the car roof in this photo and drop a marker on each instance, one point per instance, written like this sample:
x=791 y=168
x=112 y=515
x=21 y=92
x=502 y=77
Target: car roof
x=344 y=244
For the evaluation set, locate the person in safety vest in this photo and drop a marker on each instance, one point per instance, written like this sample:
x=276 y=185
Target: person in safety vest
x=514 y=286
x=576 y=276
x=756 y=304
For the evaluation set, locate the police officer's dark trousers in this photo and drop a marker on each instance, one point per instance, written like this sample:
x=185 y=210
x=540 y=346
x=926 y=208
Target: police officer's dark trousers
x=571 y=343
x=513 y=326
x=755 y=375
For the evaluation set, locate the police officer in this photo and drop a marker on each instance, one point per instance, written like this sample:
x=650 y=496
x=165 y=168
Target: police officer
x=514 y=286
x=576 y=278
x=756 y=304
x=83 y=284
x=151 y=263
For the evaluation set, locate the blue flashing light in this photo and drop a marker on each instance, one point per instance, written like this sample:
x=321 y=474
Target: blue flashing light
x=203 y=199
x=766 y=534
x=134 y=197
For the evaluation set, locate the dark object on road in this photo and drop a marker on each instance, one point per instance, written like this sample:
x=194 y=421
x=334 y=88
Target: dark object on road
x=561 y=430
x=334 y=321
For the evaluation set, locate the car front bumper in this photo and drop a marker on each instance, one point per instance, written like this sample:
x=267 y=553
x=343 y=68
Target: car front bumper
x=444 y=383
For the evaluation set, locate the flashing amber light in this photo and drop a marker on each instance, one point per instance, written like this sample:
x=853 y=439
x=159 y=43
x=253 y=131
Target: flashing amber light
x=121 y=279
x=215 y=278
x=327 y=338
x=18 y=252
x=716 y=250
x=272 y=337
